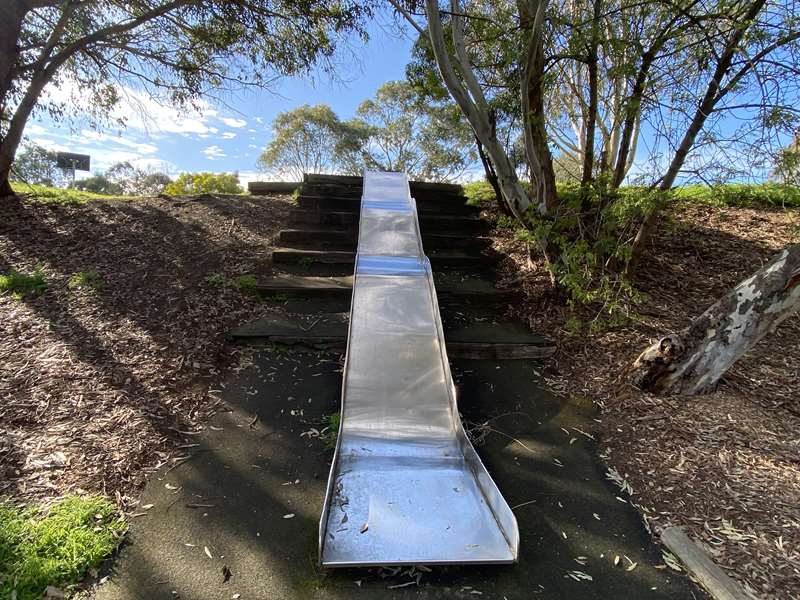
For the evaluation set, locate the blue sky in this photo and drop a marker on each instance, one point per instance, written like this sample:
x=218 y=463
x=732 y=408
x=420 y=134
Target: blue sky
x=224 y=135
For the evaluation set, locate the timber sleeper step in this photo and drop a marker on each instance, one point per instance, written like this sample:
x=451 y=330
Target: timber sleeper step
x=347 y=239
x=324 y=189
x=358 y=181
x=478 y=291
x=439 y=223
x=438 y=258
x=350 y=204
x=483 y=340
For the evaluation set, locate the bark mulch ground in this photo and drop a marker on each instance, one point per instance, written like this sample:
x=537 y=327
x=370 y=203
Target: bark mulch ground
x=100 y=385
x=726 y=466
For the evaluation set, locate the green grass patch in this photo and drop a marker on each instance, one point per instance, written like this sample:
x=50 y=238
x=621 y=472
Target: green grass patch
x=763 y=195
x=65 y=197
x=20 y=285
x=55 y=547
x=766 y=195
x=85 y=280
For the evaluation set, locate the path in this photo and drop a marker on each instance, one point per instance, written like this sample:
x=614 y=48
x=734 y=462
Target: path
x=252 y=468
x=247 y=470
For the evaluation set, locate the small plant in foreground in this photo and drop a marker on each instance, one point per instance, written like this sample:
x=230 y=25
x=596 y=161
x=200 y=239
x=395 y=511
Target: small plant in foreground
x=88 y=280
x=22 y=284
x=216 y=279
x=573 y=324
x=331 y=431
x=55 y=547
x=246 y=284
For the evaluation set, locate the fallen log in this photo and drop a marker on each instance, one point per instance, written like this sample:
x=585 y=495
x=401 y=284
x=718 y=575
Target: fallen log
x=693 y=360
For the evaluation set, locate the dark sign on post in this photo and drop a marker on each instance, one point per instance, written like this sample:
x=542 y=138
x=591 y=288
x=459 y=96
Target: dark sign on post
x=71 y=161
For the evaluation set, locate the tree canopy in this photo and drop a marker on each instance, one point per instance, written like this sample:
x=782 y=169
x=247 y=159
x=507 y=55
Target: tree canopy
x=178 y=48
x=397 y=130
x=188 y=184
x=311 y=139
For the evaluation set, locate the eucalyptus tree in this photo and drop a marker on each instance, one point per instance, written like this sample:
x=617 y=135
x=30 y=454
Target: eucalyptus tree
x=424 y=138
x=182 y=48
x=739 y=93
x=36 y=164
x=312 y=139
x=494 y=60
x=707 y=80
x=456 y=64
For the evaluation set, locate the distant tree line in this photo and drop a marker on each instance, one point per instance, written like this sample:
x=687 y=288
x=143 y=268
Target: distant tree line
x=178 y=49
x=36 y=165
x=397 y=130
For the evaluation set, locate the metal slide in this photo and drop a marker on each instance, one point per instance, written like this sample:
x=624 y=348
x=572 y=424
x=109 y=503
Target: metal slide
x=406 y=486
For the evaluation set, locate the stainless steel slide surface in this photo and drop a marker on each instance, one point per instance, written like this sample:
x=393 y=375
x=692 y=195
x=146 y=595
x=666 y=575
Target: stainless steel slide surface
x=406 y=486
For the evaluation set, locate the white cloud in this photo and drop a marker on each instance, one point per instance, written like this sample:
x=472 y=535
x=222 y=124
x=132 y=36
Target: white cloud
x=252 y=146
x=213 y=152
x=259 y=120
x=50 y=144
x=34 y=129
x=138 y=110
x=228 y=135
x=88 y=137
x=156 y=164
x=246 y=177
x=231 y=122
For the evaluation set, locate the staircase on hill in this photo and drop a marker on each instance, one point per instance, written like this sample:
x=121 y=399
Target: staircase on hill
x=316 y=254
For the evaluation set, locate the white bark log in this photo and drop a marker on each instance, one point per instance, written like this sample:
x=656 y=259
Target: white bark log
x=693 y=360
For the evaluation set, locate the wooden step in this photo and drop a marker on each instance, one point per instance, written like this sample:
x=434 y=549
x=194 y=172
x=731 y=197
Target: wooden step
x=428 y=223
x=357 y=181
x=353 y=191
x=347 y=239
x=458 y=259
x=500 y=340
x=353 y=204
x=273 y=187
x=477 y=291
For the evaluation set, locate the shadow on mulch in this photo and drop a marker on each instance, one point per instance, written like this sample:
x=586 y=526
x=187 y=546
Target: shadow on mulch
x=724 y=466
x=100 y=383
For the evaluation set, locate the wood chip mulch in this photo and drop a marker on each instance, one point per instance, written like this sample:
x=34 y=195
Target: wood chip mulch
x=100 y=387
x=726 y=466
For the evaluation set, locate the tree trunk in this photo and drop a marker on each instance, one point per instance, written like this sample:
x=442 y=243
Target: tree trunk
x=587 y=176
x=469 y=98
x=10 y=28
x=533 y=114
x=491 y=177
x=713 y=94
x=693 y=360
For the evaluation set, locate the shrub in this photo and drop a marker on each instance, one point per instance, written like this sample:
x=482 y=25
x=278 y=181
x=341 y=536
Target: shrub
x=216 y=279
x=479 y=192
x=55 y=547
x=188 y=184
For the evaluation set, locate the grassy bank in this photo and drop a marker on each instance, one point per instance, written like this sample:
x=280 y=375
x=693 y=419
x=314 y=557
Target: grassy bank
x=766 y=195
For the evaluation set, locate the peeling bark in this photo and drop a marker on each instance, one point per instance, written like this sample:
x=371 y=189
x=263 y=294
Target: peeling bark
x=693 y=360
